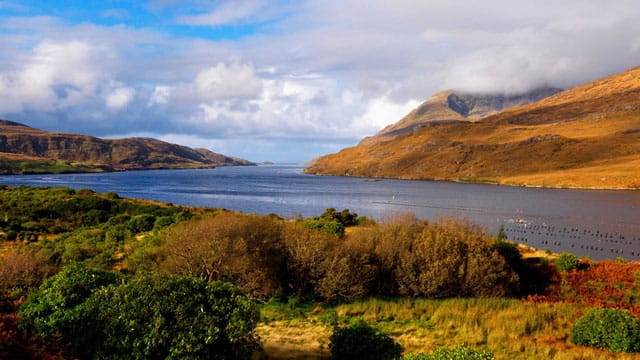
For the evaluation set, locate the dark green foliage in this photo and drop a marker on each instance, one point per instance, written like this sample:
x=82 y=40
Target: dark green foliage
x=461 y=352
x=330 y=227
x=141 y=223
x=162 y=222
x=344 y=217
x=332 y=222
x=566 y=262
x=173 y=317
x=57 y=306
x=612 y=329
x=153 y=317
x=12 y=235
x=361 y=341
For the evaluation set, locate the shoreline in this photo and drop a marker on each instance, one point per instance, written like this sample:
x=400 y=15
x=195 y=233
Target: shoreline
x=491 y=183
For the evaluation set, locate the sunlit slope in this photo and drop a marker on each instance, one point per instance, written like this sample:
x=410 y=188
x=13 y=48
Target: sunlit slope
x=24 y=149
x=587 y=136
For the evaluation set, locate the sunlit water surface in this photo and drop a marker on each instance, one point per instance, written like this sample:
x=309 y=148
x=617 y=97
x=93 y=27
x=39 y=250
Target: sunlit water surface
x=599 y=224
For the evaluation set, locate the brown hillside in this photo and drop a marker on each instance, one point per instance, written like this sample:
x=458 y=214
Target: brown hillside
x=587 y=136
x=449 y=106
x=22 y=146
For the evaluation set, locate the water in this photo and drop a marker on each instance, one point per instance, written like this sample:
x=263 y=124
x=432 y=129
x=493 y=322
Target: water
x=599 y=224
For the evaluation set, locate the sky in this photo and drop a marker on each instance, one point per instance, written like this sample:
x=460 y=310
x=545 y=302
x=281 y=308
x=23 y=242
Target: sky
x=287 y=81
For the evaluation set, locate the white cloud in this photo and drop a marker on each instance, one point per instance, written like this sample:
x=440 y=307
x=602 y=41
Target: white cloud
x=222 y=81
x=379 y=113
x=119 y=98
x=54 y=76
x=227 y=12
x=161 y=95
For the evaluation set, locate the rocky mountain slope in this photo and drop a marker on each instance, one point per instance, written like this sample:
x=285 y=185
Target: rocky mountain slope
x=587 y=136
x=449 y=106
x=24 y=149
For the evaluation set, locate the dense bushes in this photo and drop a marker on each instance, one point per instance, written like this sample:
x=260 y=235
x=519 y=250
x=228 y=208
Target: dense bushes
x=162 y=317
x=56 y=308
x=154 y=316
x=567 y=261
x=361 y=341
x=30 y=212
x=266 y=256
x=612 y=329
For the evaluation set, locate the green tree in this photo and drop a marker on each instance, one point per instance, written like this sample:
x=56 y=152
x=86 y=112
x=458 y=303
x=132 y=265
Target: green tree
x=567 y=261
x=56 y=307
x=174 y=317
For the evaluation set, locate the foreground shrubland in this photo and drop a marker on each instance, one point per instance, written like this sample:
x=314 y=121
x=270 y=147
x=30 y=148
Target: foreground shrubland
x=97 y=276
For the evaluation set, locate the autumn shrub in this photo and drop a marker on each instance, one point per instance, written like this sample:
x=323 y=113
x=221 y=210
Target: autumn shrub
x=603 y=284
x=360 y=341
x=461 y=352
x=307 y=253
x=567 y=261
x=612 y=329
x=450 y=258
x=349 y=273
x=24 y=268
x=244 y=249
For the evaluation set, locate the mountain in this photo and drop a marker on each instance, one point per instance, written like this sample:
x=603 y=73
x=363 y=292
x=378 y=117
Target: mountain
x=449 y=106
x=587 y=137
x=24 y=149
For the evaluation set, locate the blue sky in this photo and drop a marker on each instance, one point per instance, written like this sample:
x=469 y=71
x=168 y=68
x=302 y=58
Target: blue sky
x=288 y=80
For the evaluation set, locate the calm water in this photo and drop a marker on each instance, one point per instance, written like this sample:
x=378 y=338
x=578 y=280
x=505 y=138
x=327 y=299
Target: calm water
x=600 y=224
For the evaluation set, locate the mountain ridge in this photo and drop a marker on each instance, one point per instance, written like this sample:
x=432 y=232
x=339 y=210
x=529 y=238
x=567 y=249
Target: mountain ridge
x=24 y=149
x=453 y=105
x=584 y=137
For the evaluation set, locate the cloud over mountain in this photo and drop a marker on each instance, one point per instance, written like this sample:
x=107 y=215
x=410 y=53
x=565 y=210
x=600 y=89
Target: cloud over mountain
x=273 y=73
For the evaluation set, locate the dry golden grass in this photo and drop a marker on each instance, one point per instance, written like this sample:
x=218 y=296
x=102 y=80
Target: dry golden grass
x=511 y=329
x=294 y=339
x=586 y=137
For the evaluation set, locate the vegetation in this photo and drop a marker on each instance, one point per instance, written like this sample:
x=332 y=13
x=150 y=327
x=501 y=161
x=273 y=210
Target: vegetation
x=605 y=284
x=359 y=340
x=155 y=316
x=461 y=352
x=567 y=261
x=612 y=329
x=109 y=277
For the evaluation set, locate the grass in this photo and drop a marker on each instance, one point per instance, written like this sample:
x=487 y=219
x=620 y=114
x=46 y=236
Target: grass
x=510 y=328
x=47 y=166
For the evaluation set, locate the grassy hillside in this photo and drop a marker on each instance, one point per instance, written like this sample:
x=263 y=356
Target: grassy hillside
x=27 y=150
x=587 y=137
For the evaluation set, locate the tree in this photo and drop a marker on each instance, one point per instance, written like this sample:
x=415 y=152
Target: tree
x=152 y=317
x=174 y=317
x=57 y=306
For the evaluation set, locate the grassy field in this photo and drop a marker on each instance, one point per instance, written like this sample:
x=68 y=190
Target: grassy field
x=510 y=328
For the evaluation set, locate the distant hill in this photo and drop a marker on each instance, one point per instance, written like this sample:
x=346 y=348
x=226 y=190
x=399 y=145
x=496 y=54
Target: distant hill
x=587 y=136
x=24 y=149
